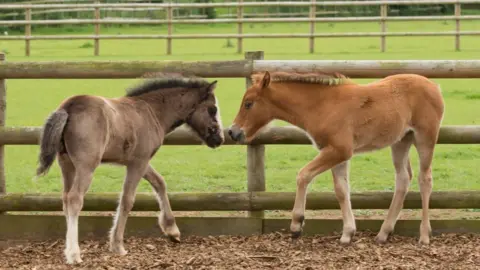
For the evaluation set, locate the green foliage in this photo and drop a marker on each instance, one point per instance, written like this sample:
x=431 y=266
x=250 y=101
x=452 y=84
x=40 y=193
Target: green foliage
x=86 y=45
x=421 y=10
x=228 y=44
x=209 y=11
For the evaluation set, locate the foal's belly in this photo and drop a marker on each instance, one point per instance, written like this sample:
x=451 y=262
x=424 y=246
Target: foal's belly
x=115 y=153
x=378 y=140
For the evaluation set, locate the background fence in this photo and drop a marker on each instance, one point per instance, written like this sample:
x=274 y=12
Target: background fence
x=255 y=200
x=383 y=9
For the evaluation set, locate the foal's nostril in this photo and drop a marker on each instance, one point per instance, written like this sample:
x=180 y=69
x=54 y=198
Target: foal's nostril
x=230 y=132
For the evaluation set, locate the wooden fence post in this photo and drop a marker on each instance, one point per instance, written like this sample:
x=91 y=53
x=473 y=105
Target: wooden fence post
x=97 y=29
x=313 y=15
x=255 y=153
x=3 y=110
x=458 y=12
x=169 y=23
x=28 y=30
x=240 y=27
x=383 y=23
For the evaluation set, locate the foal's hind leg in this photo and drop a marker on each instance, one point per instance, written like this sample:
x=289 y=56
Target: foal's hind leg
x=166 y=220
x=68 y=175
x=74 y=203
x=403 y=176
x=135 y=171
x=425 y=144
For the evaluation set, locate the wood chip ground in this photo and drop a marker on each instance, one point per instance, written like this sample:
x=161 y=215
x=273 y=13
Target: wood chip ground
x=269 y=251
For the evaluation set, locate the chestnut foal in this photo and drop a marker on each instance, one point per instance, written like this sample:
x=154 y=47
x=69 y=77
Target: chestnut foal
x=86 y=131
x=343 y=118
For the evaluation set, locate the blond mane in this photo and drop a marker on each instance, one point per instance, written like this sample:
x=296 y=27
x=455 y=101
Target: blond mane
x=321 y=78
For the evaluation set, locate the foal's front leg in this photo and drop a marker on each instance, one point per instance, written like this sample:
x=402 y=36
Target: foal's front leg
x=328 y=157
x=342 y=191
x=135 y=172
x=166 y=220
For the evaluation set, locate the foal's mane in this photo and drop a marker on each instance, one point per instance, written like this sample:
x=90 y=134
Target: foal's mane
x=322 y=78
x=158 y=81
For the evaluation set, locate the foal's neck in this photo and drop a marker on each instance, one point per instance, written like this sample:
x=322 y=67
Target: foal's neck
x=292 y=101
x=171 y=107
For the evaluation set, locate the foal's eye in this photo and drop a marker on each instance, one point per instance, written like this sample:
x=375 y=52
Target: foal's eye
x=212 y=111
x=248 y=104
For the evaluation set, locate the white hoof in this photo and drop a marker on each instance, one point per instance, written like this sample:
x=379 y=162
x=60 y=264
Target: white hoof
x=171 y=231
x=118 y=249
x=73 y=256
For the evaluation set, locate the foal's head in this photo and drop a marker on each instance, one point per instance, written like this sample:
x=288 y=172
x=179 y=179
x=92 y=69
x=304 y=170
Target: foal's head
x=254 y=111
x=191 y=101
x=205 y=118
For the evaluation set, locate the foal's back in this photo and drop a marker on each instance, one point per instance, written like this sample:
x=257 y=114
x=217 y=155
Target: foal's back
x=409 y=97
x=385 y=111
x=374 y=115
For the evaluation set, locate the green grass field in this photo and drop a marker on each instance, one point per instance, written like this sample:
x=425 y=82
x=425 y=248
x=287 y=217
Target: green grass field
x=201 y=169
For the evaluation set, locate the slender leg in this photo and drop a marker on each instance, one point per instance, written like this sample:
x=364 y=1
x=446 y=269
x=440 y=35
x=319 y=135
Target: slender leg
x=342 y=191
x=166 y=220
x=127 y=199
x=425 y=147
x=328 y=158
x=68 y=175
x=403 y=176
x=74 y=204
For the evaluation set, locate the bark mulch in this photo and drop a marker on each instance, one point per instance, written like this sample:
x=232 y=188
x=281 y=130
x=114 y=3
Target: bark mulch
x=269 y=251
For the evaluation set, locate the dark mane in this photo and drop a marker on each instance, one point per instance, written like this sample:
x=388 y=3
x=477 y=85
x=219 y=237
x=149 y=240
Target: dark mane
x=322 y=78
x=160 y=81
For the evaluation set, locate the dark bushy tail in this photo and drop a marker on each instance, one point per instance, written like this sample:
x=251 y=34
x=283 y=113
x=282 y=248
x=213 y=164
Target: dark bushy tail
x=50 y=140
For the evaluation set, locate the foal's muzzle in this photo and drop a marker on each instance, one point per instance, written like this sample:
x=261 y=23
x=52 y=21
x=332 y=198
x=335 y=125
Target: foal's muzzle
x=214 y=141
x=236 y=133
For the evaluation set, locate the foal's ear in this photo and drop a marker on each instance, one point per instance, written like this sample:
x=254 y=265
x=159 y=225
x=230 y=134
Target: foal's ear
x=212 y=86
x=265 y=80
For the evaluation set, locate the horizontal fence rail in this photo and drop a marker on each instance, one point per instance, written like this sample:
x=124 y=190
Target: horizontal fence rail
x=275 y=135
x=241 y=18
x=216 y=36
x=121 y=69
x=240 y=201
x=240 y=4
x=237 y=68
x=376 y=69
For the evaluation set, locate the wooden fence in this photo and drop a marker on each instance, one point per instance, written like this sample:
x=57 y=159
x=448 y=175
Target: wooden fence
x=255 y=201
x=170 y=21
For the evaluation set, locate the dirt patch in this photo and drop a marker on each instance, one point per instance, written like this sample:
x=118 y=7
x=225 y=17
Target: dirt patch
x=269 y=251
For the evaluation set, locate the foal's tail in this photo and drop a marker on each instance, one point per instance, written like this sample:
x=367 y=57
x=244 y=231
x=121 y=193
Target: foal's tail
x=51 y=140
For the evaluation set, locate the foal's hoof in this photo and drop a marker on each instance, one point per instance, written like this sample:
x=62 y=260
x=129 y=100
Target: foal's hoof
x=119 y=250
x=381 y=239
x=172 y=233
x=74 y=261
x=73 y=257
x=296 y=226
x=296 y=235
x=174 y=239
x=347 y=235
x=424 y=241
x=169 y=228
x=345 y=241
